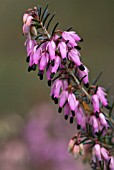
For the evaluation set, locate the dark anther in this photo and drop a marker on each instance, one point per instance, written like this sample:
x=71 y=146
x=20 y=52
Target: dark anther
x=52 y=97
x=81 y=40
x=28 y=59
x=78 y=47
x=40 y=72
x=49 y=82
x=34 y=67
x=100 y=163
x=71 y=120
x=73 y=113
x=97 y=133
x=59 y=109
x=29 y=69
x=97 y=115
x=86 y=85
x=108 y=107
x=41 y=77
x=67 y=41
x=66 y=117
x=52 y=62
x=64 y=60
x=81 y=67
x=78 y=127
x=56 y=100
x=52 y=75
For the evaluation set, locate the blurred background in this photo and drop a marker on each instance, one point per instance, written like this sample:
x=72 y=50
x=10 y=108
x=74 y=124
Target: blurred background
x=32 y=134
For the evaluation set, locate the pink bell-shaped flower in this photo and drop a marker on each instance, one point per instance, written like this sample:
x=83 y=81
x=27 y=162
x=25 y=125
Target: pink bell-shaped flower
x=66 y=111
x=63 y=99
x=84 y=76
x=94 y=124
x=51 y=49
x=67 y=37
x=95 y=102
x=97 y=152
x=63 y=49
x=73 y=103
x=102 y=96
x=111 y=164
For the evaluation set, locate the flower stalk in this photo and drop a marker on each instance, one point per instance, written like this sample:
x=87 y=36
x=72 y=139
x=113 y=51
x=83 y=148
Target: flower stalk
x=58 y=54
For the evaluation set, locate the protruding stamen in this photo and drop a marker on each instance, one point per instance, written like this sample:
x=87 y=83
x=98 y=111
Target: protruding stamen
x=56 y=100
x=73 y=113
x=78 y=127
x=34 y=67
x=49 y=82
x=71 y=120
x=28 y=59
x=52 y=75
x=81 y=67
x=29 y=69
x=66 y=117
x=59 y=109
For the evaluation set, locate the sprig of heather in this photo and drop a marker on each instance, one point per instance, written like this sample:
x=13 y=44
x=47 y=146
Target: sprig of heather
x=56 y=53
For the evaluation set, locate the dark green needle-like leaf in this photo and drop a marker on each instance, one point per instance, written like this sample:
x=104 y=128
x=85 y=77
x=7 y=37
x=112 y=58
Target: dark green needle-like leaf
x=50 y=21
x=97 y=78
x=54 y=28
x=39 y=11
x=45 y=11
x=69 y=29
x=38 y=36
x=45 y=18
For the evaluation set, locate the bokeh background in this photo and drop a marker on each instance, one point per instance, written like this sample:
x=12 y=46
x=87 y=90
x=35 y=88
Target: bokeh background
x=32 y=135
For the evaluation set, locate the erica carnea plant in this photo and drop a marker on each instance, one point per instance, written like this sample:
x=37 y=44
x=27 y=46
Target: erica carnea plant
x=56 y=54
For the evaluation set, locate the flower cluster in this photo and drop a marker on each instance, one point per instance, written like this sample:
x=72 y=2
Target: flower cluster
x=57 y=54
x=75 y=148
x=100 y=153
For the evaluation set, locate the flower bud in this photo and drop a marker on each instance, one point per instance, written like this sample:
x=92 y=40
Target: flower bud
x=111 y=164
x=71 y=145
x=95 y=102
x=103 y=121
x=29 y=20
x=76 y=151
x=33 y=31
x=104 y=154
x=97 y=151
x=25 y=16
x=81 y=148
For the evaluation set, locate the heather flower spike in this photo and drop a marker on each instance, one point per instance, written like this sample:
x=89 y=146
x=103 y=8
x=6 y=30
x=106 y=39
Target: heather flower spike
x=56 y=53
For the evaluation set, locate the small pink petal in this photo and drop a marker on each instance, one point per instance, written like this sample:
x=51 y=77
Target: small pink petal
x=62 y=47
x=95 y=102
x=37 y=54
x=56 y=64
x=74 y=56
x=51 y=48
x=67 y=37
x=63 y=98
x=97 y=151
x=43 y=62
x=73 y=103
